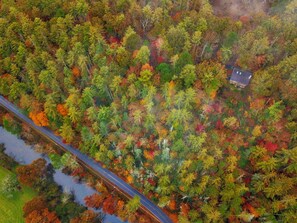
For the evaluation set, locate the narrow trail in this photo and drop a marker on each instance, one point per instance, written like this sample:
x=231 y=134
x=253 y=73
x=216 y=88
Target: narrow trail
x=146 y=205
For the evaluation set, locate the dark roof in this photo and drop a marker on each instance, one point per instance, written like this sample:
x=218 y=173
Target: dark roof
x=240 y=77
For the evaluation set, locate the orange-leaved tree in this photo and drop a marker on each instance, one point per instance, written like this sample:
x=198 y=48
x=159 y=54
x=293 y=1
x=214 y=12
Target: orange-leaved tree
x=95 y=201
x=36 y=204
x=39 y=118
x=31 y=173
x=44 y=216
x=62 y=109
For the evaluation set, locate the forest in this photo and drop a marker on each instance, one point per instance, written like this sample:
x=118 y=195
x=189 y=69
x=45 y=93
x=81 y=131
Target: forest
x=142 y=87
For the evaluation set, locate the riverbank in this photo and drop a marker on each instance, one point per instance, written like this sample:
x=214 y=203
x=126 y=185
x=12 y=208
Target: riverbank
x=24 y=154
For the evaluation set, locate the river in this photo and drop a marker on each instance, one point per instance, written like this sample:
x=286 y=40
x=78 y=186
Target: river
x=24 y=154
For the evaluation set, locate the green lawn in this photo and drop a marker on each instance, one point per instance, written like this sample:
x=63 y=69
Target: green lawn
x=11 y=210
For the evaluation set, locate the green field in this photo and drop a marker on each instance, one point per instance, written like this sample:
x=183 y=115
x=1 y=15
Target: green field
x=11 y=209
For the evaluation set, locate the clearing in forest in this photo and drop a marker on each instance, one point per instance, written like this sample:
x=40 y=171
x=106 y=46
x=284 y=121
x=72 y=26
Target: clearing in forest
x=11 y=209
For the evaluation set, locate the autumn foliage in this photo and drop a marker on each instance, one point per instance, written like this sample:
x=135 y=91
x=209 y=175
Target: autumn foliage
x=95 y=201
x=76 y=71
x=28 y=43
x=142 y=87
x=173 y=217
x=109 y=205
x=36 y=204
x=147 y=67
x=31 y=173
x=39 y=119
x=62 y=109
x=87 y=216
x=251 y=209
x=172 y=204
x=44 y=216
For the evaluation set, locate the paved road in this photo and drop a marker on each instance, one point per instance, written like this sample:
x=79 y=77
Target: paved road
x=149 y=207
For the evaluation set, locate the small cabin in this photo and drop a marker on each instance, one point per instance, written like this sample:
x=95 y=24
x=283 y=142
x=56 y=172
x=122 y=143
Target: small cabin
x=240 y=77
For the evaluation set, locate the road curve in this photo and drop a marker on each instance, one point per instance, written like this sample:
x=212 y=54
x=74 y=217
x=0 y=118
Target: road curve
x=146 y=205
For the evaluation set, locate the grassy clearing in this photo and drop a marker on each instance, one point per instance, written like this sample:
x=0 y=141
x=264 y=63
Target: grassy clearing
x=11 y=210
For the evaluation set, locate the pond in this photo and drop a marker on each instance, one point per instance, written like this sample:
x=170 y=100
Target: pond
x=24 y=154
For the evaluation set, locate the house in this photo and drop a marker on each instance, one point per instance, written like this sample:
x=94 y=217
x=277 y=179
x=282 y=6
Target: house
x=240 y=77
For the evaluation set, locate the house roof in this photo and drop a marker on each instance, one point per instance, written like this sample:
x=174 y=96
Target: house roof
x=241 y=77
